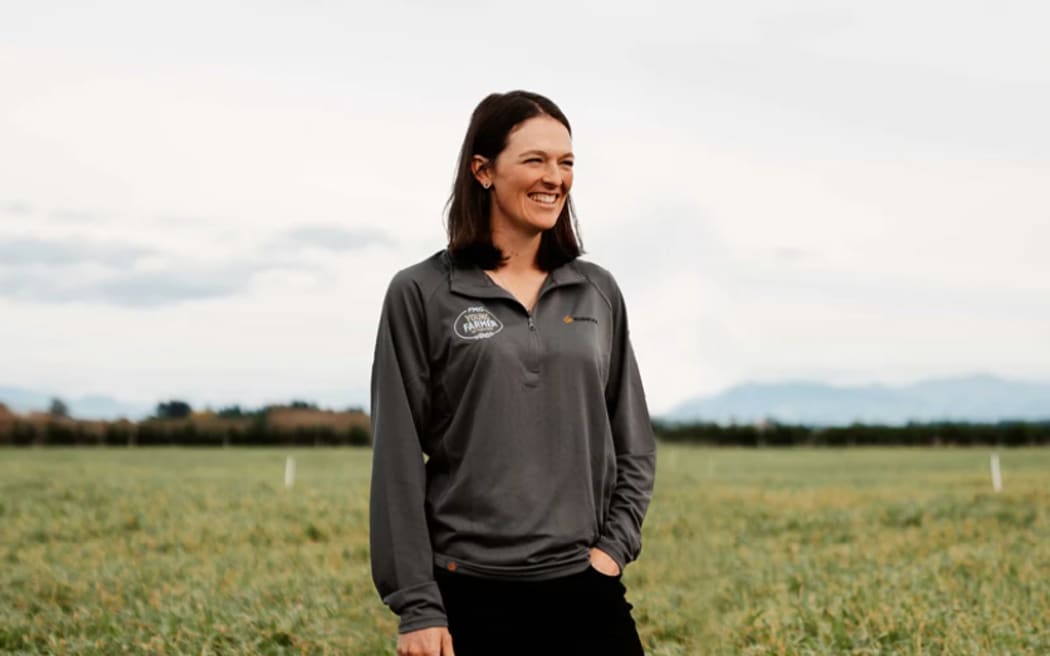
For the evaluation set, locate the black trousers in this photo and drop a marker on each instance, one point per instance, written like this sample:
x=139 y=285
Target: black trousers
x=580 y=614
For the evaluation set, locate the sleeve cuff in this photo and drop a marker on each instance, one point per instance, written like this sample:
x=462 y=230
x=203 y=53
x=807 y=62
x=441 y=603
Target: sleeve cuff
x=416 y=623
x=418 y=607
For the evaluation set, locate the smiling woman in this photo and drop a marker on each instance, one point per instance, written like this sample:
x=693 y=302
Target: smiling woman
x=506 y=361
x=529 y=184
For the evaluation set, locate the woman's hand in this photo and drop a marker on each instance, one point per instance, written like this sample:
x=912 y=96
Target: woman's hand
x=603 y=562
x=433 y=641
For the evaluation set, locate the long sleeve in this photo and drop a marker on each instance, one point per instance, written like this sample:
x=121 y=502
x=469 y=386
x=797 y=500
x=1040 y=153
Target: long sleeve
x=635 y=445
x=401 y=552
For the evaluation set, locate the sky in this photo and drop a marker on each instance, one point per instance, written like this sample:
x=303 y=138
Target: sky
x=206 y=200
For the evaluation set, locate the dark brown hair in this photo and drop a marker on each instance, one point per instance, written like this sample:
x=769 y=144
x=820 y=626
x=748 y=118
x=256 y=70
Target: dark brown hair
x=469 y=227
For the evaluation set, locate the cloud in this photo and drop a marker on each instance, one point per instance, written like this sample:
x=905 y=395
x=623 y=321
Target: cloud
x=334 y=238
x=71 y=268
x=29 y=251
x=135 y=289
x=73 y=216
x=155 y=288
x=78 y=217
x=67 y=269
x=663 y=239
x=18 y=208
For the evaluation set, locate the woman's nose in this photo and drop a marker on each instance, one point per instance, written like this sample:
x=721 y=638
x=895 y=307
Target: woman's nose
x=552 y=175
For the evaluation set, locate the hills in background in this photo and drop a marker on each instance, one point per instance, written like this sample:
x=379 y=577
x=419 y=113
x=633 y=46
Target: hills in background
x=978 y=398
x=86 y=407
x=975 y=398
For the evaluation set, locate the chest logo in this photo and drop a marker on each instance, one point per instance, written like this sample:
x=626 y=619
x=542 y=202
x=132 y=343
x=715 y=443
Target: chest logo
x=476 y=322
x=568 y=318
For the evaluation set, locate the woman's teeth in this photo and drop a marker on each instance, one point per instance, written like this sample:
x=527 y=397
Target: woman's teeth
x=544 y=198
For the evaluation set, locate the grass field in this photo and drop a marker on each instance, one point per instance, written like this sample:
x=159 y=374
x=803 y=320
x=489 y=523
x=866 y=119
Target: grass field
x=863 y=551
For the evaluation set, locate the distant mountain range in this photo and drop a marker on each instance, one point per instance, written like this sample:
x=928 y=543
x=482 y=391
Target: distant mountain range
x=976 y=398
x=86 y=407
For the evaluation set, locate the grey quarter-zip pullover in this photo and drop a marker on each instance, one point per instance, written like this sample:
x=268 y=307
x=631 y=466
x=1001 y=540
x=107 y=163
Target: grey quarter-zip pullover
x=534 y=427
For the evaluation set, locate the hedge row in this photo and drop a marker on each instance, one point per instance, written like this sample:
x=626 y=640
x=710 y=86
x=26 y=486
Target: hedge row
x=258 y=433
x=59 y=433
x=914 y=434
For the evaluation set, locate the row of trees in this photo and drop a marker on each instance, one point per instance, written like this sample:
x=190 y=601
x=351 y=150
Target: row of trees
x=189 y=433
x=762 y=434
x=297 y=426
x=175 y=423
x=178 y=409
x=303 y=423
x=179 y=434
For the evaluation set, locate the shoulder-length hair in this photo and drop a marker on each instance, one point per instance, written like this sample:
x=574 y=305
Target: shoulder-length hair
x=469 y=227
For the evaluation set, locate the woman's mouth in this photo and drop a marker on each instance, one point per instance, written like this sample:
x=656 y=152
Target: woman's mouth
x=548 y=200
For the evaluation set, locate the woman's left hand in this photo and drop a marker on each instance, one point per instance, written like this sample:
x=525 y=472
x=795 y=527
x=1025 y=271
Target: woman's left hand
x=603 y=562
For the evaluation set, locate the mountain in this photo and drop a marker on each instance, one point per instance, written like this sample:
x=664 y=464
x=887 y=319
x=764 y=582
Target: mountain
x=975 y=398
x=86 y=407
x=23 y=400
x=104 y=407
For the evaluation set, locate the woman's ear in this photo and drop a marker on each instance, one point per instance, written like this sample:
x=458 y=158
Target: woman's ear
x=479 y=166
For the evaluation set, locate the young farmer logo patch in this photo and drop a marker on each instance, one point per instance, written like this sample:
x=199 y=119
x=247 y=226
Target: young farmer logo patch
x=476 y=322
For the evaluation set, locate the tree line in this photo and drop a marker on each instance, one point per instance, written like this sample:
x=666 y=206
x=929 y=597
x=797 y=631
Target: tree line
x=175 y=423
x=301 y=423
x=773 y=434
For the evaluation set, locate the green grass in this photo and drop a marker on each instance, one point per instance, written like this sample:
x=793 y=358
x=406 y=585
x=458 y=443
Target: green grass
x=863 y=551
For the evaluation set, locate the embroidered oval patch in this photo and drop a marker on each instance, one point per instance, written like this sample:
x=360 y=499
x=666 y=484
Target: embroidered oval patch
x=476 y=322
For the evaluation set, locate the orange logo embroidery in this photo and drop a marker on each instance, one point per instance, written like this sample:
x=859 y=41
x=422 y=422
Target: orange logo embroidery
x=568 y=318
x=451 y=567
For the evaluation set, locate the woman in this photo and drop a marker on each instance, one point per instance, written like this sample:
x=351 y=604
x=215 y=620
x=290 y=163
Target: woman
x=506 y=361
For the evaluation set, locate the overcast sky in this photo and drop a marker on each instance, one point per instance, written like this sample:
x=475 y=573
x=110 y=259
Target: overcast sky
x=207 y=200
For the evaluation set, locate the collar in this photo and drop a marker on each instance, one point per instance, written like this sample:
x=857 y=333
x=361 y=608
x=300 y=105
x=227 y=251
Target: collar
x=472 y=281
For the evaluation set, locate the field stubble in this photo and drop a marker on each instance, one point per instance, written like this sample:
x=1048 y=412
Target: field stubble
x=800 y=551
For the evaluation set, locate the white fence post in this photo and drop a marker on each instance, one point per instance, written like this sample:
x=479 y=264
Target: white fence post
x=997 y=475
x=289 y=472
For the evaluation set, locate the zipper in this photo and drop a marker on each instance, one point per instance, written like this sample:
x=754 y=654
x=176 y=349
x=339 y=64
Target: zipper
x=532 y=361
x=533 y=364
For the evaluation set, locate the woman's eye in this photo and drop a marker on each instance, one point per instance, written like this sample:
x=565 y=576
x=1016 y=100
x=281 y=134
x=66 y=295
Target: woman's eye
x=533 y=159
x=568 y=163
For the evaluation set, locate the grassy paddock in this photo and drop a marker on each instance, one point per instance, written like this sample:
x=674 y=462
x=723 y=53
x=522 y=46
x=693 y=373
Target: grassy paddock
x=801 y=551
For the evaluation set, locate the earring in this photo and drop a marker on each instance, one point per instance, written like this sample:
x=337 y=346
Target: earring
x=485 y=185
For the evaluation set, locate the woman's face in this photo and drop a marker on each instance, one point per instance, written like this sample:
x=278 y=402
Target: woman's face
x=529 y=180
